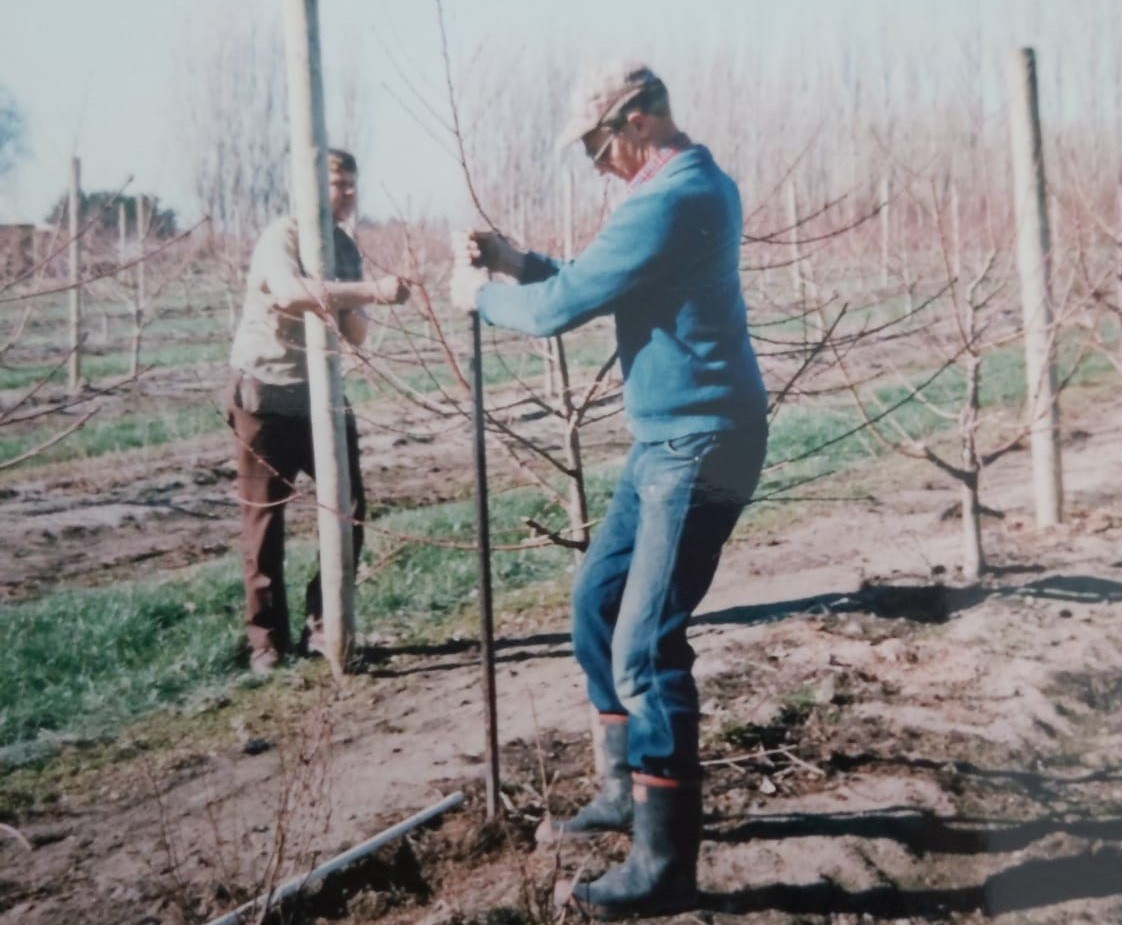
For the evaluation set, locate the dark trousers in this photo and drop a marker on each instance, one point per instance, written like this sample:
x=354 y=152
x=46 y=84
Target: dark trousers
x=272 y=449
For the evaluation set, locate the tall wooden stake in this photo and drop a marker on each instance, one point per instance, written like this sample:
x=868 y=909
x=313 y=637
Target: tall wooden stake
x=138 y=304
x=308 y=133
x=74 y=362
x=885 y=228
x=483 y=544
x=798 y=277
x=1034 y=266
x=122 y=252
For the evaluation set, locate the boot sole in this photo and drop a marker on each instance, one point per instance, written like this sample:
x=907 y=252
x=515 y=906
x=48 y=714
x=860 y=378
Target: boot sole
x=673 y=906
x=609 y=914
x=553 y=835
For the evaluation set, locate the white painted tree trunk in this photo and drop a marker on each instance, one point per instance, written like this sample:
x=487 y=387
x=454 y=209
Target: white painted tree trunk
x=317 y=254
x=1034 y=266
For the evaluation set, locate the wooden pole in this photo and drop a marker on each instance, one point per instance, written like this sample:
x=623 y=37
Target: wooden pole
x=311 y=206
x=122 y=257
x=1034 y=267
x=483 y=545
x=956 y=232
x=885 y=228
x=138 y=303
x=74 y=362
x=797 y=276
x=568 y=223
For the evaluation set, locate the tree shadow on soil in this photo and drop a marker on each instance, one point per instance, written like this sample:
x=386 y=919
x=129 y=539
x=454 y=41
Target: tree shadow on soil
x=1031 y=884
x=921 y=832
x=461 y=653
x=932 y=603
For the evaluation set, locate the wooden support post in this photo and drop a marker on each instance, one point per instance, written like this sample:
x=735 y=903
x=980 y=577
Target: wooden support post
x=74 y=362
x=568 y=211
x=885 y=228
x=122 y=257
x=317 y=254
x=797 y=277
x=1034 y=266
x=956 y=232
x=483 y=545
x=142 y=217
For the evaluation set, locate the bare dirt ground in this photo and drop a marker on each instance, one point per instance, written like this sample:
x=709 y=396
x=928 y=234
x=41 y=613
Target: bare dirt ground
x=881 y=743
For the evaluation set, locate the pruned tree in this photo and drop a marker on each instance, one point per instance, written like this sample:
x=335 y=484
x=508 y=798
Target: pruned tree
x=233 y=118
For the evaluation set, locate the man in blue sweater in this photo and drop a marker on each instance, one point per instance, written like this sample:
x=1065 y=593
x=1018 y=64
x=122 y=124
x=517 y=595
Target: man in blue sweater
x=665 y=266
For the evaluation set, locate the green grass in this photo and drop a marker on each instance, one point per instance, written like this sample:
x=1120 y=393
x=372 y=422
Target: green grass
x=78 y=663
x=114 y=365
x=129 y=432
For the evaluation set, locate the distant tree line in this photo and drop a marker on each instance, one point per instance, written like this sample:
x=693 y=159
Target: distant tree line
x=11 y=131
x=100 y=210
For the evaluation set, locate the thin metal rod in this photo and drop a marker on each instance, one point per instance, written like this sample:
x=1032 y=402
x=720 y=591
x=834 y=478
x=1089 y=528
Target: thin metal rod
x=483 y=544
x=279 y=895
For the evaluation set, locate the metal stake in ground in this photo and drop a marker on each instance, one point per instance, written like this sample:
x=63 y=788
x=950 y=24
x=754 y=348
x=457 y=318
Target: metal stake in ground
x=483 y=544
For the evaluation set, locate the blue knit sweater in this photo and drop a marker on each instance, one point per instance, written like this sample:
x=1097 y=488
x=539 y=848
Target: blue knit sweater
x=666 y=265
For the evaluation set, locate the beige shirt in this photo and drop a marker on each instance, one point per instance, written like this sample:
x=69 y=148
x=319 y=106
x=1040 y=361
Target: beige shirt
x=269 y=345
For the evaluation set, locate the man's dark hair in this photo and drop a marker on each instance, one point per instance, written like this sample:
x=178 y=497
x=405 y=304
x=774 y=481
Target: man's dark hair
x=338 y=159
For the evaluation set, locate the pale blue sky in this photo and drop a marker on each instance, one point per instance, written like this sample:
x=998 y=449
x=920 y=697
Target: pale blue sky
x=101 y=79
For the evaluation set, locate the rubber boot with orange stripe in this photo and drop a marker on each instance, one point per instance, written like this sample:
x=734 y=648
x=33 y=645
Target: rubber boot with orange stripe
x=659 y=875
x=610 y=810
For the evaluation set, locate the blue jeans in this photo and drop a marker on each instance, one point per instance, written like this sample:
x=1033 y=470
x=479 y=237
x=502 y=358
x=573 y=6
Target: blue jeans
x=647 y=568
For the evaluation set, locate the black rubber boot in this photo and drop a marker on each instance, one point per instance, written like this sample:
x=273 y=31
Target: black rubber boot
x=610 y=809
x=659 y=876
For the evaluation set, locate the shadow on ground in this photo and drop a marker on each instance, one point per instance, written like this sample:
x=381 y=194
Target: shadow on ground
x=1091 y=873
x=931 y=603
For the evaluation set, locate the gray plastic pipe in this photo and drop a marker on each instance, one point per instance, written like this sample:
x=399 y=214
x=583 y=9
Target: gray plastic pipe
x=321 y=873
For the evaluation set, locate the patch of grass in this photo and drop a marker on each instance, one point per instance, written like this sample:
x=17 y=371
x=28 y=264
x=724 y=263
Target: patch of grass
x=114 y=364
x=79 y=662
x=430 y=591
x=128 y=432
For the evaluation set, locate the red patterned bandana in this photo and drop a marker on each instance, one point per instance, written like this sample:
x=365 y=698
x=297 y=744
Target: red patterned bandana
x=660 y=159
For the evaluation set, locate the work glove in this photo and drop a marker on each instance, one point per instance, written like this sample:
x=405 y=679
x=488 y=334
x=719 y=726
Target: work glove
x=467 y=276
x=491 y=250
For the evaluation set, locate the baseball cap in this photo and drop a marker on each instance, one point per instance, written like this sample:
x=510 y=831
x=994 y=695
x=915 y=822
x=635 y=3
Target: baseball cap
x=603 y=94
